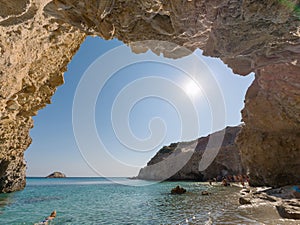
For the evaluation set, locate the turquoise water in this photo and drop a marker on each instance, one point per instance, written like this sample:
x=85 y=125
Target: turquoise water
x=103 y=201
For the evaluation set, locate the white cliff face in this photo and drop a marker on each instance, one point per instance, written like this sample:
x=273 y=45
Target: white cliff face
x=180 y=161
x=39 y=37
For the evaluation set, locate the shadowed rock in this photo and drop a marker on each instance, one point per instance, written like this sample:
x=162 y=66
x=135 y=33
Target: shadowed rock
x=38 y=39
x=289 y=211
x=282 y=199
x=178 y=190
x=180 y=161
x=244 y=200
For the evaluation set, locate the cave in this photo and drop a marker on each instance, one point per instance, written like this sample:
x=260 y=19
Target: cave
x=39 y=38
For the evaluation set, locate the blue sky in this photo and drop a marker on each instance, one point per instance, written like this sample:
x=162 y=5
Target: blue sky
x=146 y=102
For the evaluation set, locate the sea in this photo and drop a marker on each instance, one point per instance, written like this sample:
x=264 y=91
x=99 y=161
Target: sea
x=125 y=201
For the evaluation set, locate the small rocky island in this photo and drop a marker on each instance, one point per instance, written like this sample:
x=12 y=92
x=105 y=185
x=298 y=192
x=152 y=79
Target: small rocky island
x=56 y=175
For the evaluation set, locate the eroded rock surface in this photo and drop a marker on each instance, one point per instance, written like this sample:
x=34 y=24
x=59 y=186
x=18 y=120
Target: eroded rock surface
x=282 y=199
x=270 y=141
x=39 y=37
x=34 y=53
x=180 y=161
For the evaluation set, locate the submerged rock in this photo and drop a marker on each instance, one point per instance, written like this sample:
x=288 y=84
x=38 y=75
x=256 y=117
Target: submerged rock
x=178 y=190
x=56 y=175
x=205 y=193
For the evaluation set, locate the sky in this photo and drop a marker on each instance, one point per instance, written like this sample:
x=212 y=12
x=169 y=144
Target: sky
x=117 y=109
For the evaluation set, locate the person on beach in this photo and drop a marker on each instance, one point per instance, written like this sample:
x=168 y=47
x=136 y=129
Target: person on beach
x=225 y=183
x=235 y=178
x=243 y=183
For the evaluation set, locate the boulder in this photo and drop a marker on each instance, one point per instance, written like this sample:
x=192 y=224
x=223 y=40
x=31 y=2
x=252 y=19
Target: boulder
x=289 y=210
x=205 y=193
x=281 y=198
x=178 y=190
x=245 y=200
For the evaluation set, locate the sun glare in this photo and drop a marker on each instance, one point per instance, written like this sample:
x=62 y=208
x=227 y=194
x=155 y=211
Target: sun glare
x=191 y=88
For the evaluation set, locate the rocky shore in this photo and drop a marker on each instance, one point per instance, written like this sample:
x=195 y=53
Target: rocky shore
x=283 y=199
x=227 y=165
x=39 y=38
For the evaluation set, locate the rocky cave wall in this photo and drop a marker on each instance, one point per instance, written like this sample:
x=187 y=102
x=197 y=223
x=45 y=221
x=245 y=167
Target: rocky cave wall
x=39 y=37
x=34 y=53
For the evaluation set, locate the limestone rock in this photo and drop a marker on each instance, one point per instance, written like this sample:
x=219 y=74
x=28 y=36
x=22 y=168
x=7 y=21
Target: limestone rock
x=56 y=175
x=270 y=141
x=39 y=37
x=205 y=193
x=281 y=198
x=289 y=211
x=34 y=53
x=180 y=161
x=178 y=190
x=244 y=200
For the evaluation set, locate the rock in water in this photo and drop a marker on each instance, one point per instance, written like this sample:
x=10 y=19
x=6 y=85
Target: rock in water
x=178 y=190
x=205 y=193
x=56 y=175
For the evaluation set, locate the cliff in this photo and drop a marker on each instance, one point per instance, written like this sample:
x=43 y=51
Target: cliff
x=170 y=162
x=39 y=37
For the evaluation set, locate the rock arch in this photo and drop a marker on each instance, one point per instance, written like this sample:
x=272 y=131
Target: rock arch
x=39 y=38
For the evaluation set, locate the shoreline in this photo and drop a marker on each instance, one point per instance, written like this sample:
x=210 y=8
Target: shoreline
x=200 y=204
x=282 y=199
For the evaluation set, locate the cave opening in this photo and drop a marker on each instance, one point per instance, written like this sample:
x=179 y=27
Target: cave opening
x=54 y=145
x=151 y=102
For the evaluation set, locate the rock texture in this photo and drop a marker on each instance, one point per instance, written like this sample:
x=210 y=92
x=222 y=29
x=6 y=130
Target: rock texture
x=270 y=141
x=39 y=37
x=173 y=162
x=34 y=53
x=56 y=175
x=281 y=198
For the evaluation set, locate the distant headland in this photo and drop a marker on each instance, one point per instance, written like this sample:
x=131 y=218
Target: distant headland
x=56 y=175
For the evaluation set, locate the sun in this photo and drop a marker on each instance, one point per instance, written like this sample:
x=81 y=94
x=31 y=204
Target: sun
x=191 y=88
